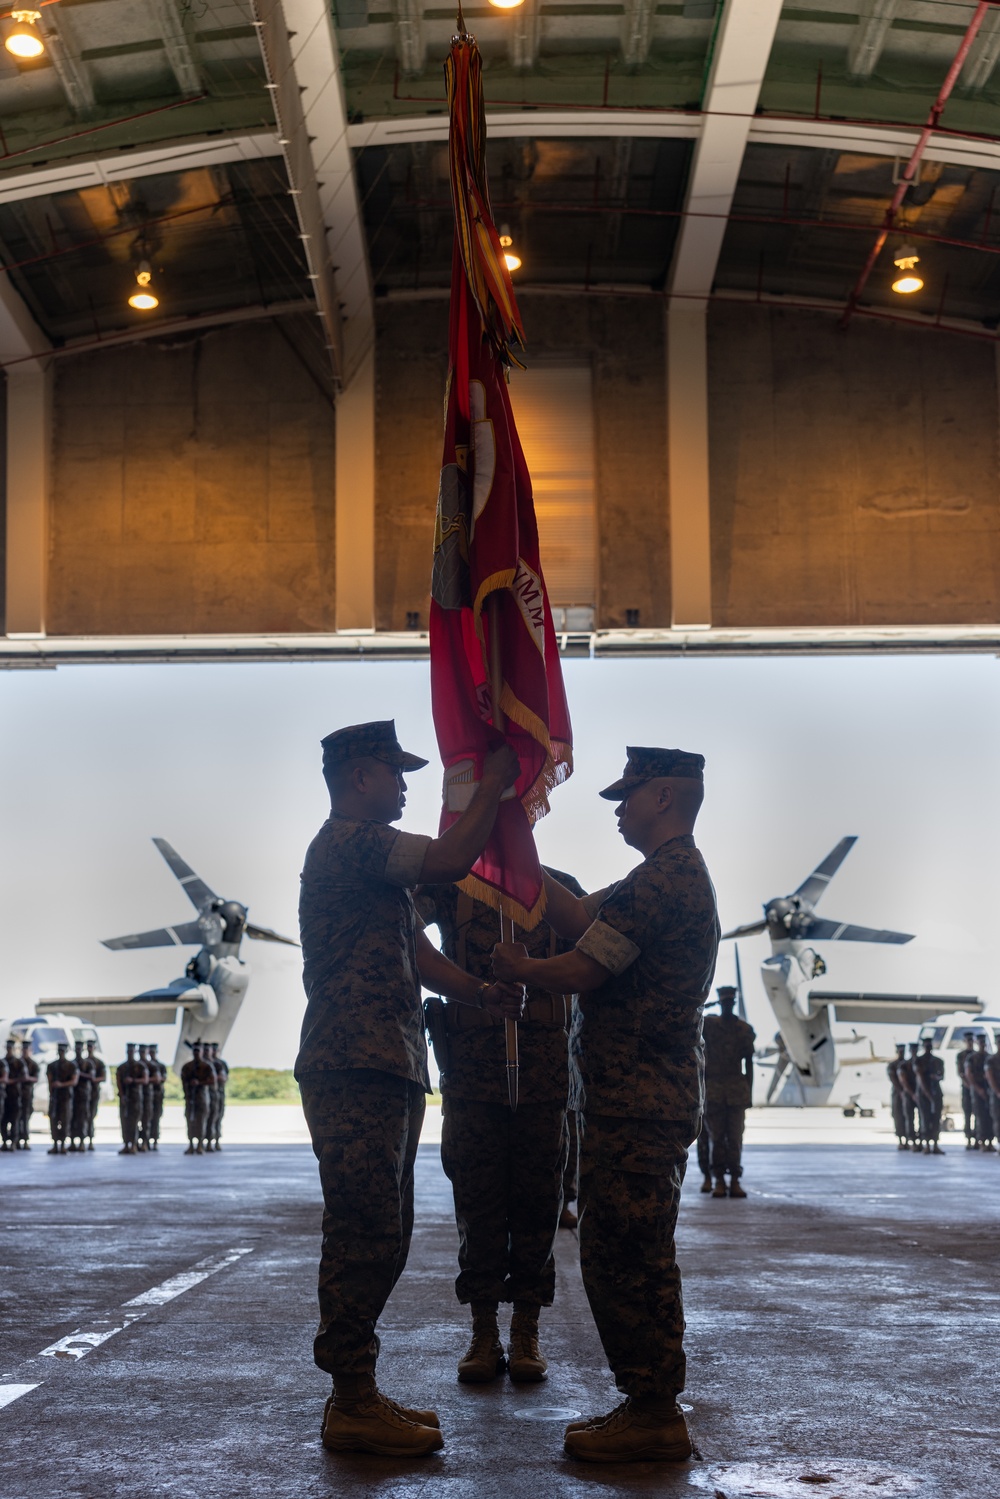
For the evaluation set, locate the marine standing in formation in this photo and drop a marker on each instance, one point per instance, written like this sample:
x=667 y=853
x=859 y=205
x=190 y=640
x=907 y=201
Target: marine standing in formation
x=221 y=1083
x=968 y=1115
x=898 y=1111
x=991 y=1076
x=99 y=1077
x=157 y=1083
x=907 y=1075
x=506 y=1169
x=362 y=1062
x=975 y=1076
x=63 y=1076
x=80 y=1118
x=131 y=1077
x=728 y=1091
x=642 y=965
x=13 y=1072
x=31 y=1069
x=197 y=1080
x=929 y=1071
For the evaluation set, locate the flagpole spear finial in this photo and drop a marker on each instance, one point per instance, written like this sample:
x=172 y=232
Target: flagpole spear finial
x=461 y=21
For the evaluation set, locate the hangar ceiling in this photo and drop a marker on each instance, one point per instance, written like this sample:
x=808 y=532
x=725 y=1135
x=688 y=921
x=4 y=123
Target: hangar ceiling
x=596 y=108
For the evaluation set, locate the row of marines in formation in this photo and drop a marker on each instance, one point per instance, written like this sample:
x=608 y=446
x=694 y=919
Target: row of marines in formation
x=75 y=1081
x=917 y=1100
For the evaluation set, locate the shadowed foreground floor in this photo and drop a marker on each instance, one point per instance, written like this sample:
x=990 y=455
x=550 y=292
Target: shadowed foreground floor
x=843 y=1327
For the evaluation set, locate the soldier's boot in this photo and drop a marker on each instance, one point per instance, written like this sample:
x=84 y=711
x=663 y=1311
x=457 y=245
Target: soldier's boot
x=200 y=1149
x=937 y=1149
x=54 y=1150
x=706 y=1184
x=719 y=1190
x=484 y=1359
x=190 y=1149
x=638 y=1431
x=735 y=1189
x=525 y=1363
x=357 y=1418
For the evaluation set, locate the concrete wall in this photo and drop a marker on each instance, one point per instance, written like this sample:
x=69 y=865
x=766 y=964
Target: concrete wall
x=622 y=338
x=854 y=476
x=192 y=490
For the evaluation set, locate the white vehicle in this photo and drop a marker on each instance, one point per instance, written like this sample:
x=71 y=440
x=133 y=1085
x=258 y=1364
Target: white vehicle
x=43 y=1034
x=215 y=981
x=812 y=1065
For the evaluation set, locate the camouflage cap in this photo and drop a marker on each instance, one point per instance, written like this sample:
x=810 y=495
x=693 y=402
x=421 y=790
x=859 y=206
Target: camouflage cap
x=361 y=740
x=646 y=764
x=726 y=991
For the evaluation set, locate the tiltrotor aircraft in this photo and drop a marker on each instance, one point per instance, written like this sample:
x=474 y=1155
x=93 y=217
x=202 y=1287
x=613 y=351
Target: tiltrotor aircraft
x=807 y=1067
x=214 y=983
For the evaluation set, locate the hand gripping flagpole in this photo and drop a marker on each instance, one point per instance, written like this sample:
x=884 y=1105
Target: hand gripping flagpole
x=506 y=922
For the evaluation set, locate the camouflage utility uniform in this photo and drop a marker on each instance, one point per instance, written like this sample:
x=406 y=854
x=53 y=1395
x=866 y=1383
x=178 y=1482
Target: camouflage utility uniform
x=27 y=1098
x=222 y=1078
x=62 y=1078
x=197 y=1079
x=896 y=1099
x=99 y=1078
x=908 y=1082
x=81 y=1098
x=5 y=1093
x=639 y=1048
x=968 y=1114
x=506 y=1169
x=362 y=1071
x=157 y=1083
x=991 y=1077
x=14 y=1074
x=131 y=1076
x=929 y=1071
x=728 y=1091
x=975 y=1076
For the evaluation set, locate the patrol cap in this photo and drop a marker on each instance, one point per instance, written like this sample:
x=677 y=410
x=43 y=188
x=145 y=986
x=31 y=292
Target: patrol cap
x=362 y=740
x=727 y=991
x=645 y=764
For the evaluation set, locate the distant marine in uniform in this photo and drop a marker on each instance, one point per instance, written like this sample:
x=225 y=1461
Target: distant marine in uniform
x=157 y=1082
x=197 y=1080
x=896 y=1098
x=131 y=1077
x=642 y=965
x=968 y=1113
x=100 y=1077
x=62 y=1076
x=906 y=1072
x=991 y=1077
x=506 y=1169
x=929 y=1071
x=80 y=1122
x=13 y=1074
x=975 y=1076
x=222 y=1082
x=728 y=1091
x=27 y=1093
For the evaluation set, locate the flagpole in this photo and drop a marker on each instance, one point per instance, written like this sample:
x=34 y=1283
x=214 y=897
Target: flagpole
x=506 y=922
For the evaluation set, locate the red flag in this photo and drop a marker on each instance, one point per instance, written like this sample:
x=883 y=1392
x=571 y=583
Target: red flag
x=486 y=545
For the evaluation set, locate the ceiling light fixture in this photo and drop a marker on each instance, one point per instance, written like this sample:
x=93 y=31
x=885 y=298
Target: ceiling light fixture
x=507 y=245
x=506 y=4
x=143 y=299
x=908 y=281
x=24 y=40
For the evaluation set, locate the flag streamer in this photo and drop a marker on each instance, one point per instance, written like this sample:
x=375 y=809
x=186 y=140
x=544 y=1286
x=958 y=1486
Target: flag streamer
x=486 y=558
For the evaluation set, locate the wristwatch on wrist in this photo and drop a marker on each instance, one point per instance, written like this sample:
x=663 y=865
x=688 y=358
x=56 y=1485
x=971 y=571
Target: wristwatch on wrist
x=480 y=992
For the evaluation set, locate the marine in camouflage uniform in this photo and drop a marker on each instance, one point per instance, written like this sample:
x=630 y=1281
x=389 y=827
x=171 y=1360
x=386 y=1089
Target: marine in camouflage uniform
x=157 y=1083
x=991 y=1077
x=100 y=1076
x=929 y=1071
x=362 y=1062
x=213 y=1096
x=145 y=1099
x=222 y=1080
x=975 y=1069
x=27 y=1094
x=81 y=1101
x=728 y=1091
x=131 y=1077
x=896 y=1099
x=506 y=1169
x=907 y=1076
x=62 y=1078
x=197 y=1079
x=643 y=964
x=13 y=1074
x=968 y=1113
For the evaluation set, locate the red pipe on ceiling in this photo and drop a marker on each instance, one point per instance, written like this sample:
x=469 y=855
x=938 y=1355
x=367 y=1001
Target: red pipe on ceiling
x=909 y=171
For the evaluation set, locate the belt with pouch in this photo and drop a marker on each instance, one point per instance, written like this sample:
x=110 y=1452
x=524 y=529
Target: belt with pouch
x=547 y=1009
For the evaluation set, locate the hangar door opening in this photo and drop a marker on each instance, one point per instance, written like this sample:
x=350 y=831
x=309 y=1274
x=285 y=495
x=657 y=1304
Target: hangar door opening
x=554 y=411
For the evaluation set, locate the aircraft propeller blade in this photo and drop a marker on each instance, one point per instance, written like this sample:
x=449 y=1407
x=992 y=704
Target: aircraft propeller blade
x=198 y=893
x=739 y=987
x=842 y=931
x=264 y=934
x=181 y=935
x=750 y=930
x=812 y=888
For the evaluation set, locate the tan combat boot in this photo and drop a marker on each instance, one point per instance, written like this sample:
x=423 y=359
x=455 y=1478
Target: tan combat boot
x=524 y=1360
x=484 y=1358
x=631 y=1435
x=735 y=1190
x=706 y=1184
x=366 y=1422
x=719 y=1190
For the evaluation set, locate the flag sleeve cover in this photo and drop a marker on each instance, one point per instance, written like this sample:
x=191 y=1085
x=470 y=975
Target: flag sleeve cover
x=486 y=543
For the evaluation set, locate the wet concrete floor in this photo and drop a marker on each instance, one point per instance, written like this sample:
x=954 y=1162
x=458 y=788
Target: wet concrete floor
x=843 y=1336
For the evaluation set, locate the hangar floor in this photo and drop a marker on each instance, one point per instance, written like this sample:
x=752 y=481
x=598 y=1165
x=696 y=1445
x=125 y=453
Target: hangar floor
x=843 y=1326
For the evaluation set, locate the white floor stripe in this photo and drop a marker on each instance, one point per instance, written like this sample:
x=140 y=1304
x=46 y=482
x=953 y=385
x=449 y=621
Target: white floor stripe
x=11 y=1392
x=77 y=1345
